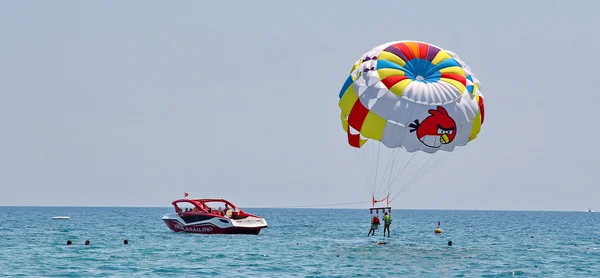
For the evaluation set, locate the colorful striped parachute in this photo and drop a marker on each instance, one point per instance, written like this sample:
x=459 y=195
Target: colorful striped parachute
x=411 y=97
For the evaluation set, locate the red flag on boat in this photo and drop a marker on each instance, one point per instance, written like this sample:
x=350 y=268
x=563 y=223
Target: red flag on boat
x=185 y=194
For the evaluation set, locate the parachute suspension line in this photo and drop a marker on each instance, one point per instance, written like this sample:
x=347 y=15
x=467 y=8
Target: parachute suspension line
x=391 y=166
x=402 y=169
x=386 y=180
x=367 y=165
x=321 y=205
x=368 y=161
x=413 y=155
x=388 y=169
x=364 y=164
x=393 y=157
x=376 y=168
x=437 y=162
x=426 y=168
x=394 y=166
x=423 y=166
x=433 y=159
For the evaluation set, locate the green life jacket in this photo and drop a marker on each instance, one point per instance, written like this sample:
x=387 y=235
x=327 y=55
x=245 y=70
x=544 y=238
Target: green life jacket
x=387 y=219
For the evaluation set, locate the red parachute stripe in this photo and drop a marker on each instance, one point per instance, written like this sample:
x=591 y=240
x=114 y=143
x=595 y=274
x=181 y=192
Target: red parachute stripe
x=423 y=49
x=456 y=77
x=406 y=50
x=357 y=115
x=481 y=108
x=390 y=81
x=353 y=139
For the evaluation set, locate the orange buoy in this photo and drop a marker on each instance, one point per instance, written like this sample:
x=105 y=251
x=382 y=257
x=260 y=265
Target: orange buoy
x=438 y=231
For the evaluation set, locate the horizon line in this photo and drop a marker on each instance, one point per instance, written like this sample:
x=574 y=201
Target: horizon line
x=301 y=207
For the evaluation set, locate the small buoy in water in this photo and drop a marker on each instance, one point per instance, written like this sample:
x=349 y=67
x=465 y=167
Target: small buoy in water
x=438 y=231
x=381 y=242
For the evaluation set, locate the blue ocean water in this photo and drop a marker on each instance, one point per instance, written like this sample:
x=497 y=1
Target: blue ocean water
x=300 y=243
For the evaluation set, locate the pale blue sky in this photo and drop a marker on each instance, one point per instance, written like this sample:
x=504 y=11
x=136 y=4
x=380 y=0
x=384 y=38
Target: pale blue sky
x=129 y=103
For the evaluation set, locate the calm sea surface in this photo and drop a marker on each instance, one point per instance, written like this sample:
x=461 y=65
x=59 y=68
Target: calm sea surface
x=300 y=243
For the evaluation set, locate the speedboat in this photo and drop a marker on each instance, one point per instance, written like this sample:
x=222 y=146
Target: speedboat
x=212 y=216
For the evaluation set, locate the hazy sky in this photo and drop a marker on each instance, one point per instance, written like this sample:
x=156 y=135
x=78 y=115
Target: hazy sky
x=129 y=103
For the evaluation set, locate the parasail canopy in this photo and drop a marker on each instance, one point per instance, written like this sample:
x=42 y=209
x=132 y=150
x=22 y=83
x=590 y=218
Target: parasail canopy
x=409 y=97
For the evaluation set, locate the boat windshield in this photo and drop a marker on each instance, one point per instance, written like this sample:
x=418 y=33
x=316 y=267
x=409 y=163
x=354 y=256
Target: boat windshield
x=214 y=206
x=185 y=207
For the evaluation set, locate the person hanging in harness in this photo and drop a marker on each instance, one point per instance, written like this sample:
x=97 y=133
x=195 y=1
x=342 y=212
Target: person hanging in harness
x=374 y=224
x=387 y=220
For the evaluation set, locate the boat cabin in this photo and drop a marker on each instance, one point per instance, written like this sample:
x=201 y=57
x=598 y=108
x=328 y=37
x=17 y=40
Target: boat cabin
x=218 y=207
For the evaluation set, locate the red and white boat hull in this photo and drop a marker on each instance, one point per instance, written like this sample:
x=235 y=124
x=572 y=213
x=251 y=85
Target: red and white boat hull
x=212 y=224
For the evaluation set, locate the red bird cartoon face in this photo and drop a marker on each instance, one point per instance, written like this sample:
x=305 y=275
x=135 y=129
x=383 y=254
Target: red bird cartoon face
x=436 y=129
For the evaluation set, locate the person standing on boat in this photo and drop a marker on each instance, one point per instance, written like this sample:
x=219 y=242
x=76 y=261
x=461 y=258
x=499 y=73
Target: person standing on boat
x=387 y=220
x=374 y=224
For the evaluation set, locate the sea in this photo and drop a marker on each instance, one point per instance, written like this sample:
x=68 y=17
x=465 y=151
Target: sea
x=303 y=242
